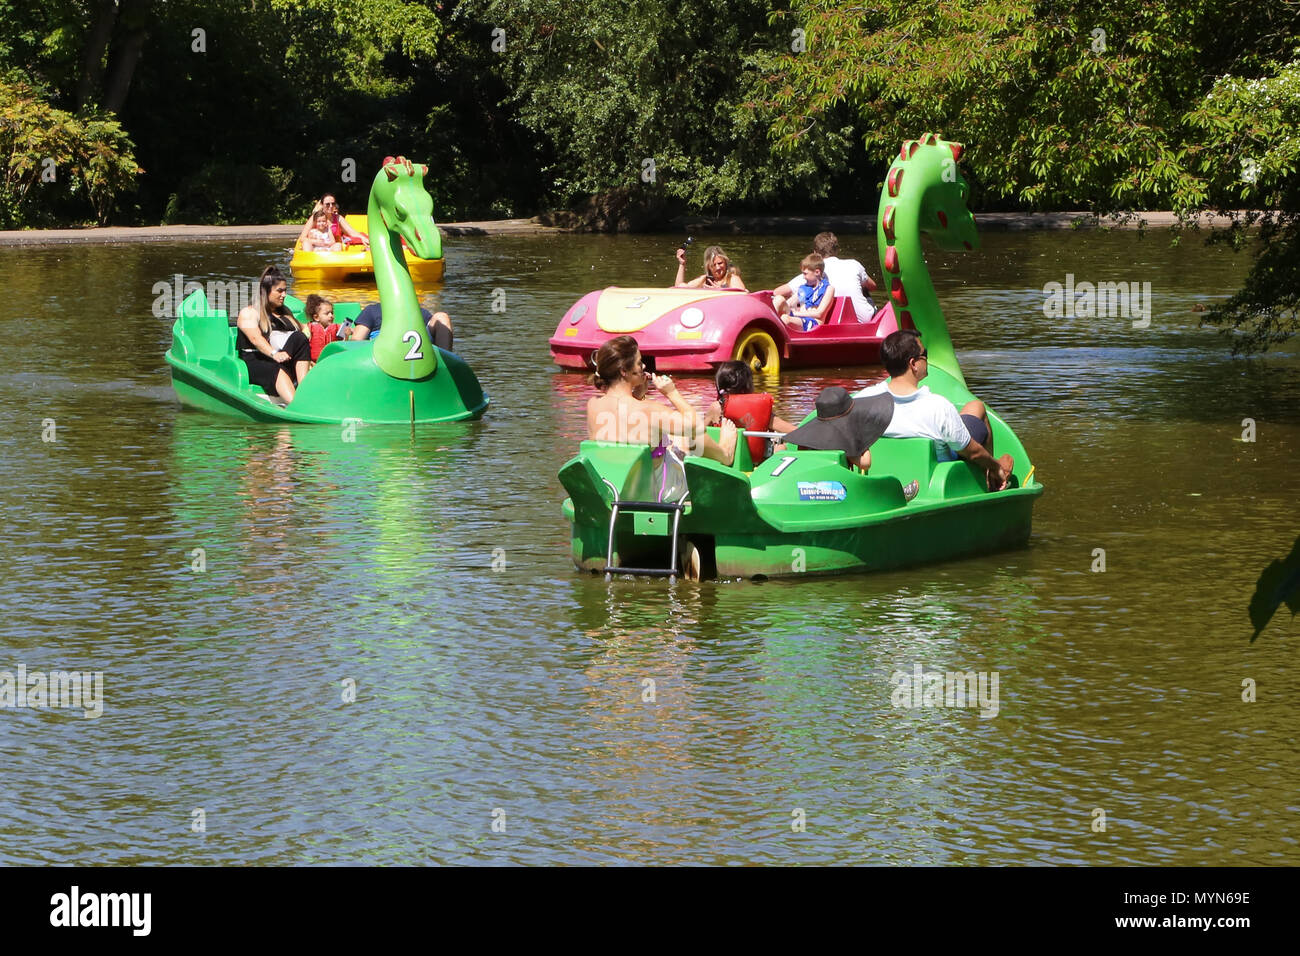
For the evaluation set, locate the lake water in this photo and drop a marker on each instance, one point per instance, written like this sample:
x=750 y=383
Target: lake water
x=233 y=584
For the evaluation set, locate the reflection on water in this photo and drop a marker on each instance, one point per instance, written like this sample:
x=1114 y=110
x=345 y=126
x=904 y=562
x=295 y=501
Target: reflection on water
x=233 y=582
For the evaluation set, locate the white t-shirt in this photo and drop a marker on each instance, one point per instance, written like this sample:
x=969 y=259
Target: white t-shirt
x=846 y=277
x=924 y=414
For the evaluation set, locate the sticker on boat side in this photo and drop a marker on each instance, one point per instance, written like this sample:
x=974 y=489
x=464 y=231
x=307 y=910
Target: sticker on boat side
x=786 y=462
x=822 y=491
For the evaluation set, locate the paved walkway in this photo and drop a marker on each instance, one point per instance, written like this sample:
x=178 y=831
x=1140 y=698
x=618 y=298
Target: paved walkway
x=531 y=227
x=989 y=221
x=116 y=234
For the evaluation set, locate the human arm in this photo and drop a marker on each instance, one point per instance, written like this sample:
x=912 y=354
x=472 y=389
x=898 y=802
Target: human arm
x=824 y=309
x=247 y=323
x=349 y=230
x=684 y=419
x=360 y=332
x=781 y=425
x=734 y=281
x=978 y=455
x=868 y=283
x=681 y=268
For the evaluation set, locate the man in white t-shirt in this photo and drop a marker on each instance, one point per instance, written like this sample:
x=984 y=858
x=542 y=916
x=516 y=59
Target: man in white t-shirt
x=919 y=413
x=848 y=278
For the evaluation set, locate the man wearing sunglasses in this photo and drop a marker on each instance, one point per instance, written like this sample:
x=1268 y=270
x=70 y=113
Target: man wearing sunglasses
x=919 y=413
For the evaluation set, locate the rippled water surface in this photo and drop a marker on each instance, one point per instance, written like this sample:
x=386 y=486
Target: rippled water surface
x=494 y=683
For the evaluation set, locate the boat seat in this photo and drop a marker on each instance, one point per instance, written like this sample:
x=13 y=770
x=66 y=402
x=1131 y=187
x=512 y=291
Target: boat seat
x=210 y=334
x=911 y=457
x=914 y=458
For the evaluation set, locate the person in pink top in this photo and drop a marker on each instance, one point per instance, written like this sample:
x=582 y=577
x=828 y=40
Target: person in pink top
x=339 y=227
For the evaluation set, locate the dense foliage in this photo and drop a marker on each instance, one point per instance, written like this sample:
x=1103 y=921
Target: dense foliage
x=244 y=112
x=73 y=164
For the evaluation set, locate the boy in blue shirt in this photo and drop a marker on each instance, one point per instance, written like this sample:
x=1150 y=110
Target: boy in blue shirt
x=813 y=298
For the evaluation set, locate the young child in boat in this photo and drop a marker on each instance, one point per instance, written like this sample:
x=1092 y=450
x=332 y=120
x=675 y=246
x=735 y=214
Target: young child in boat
x=739 y=403
x=319 y=238
x=320 y=314
x=813 y=294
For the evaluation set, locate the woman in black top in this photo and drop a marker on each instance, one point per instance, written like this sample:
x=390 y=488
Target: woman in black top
x=271 y=341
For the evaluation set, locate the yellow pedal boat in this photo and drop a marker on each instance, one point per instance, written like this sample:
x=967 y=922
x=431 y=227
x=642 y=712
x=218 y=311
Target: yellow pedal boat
x=356 y=261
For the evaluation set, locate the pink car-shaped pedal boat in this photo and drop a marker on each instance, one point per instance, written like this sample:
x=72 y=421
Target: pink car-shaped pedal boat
x=694 y=330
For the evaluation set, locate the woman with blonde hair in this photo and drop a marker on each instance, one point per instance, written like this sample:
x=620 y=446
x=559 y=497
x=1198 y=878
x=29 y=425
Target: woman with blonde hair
x=719 y=273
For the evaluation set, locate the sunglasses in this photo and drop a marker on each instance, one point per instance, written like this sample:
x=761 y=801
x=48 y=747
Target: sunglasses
x=327 y=205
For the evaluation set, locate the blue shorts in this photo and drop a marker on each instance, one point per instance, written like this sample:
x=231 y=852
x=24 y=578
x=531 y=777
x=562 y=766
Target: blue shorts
x=978 y=431
x=808 y=322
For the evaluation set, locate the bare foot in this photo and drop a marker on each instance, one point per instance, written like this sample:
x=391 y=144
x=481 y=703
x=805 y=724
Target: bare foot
x=727 y=440
x=1008 y=464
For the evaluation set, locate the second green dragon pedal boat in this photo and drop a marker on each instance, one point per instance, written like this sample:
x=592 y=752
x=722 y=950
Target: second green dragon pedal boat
x=805 y=511
x=400 y=377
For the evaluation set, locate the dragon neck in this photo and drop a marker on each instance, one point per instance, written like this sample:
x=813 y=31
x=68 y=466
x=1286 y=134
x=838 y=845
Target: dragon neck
x=397 y=298
x=912 y=203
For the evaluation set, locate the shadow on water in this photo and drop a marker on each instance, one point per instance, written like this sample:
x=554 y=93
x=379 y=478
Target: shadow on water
x=1280 y=583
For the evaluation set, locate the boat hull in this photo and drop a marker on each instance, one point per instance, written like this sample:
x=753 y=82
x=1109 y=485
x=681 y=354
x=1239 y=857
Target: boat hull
x=1003 y=523
x=695 y=330
x=356 y=262
x=802 y=512
x=345 y=385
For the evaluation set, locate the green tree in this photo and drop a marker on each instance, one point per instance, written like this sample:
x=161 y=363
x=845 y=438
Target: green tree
x=1109 y=104
x=1253 y=123
x=644 y=96
x=57 y=164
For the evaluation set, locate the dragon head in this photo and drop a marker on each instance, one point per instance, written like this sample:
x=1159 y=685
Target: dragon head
x=930 y=170
x=924 y=194
x=406 y=206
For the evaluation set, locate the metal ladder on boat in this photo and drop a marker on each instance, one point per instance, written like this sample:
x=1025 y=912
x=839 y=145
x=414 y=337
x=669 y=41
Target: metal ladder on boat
x=674 y=508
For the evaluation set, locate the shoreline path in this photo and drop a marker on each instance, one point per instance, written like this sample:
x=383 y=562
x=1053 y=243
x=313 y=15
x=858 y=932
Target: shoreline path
x=733 y=225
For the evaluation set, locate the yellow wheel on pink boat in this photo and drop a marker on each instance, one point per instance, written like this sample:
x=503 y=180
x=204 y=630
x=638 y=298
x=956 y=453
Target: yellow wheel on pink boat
x=759 y=351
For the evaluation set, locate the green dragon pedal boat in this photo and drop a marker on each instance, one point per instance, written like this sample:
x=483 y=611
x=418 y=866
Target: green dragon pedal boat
x=399 y=377
x=806 y=512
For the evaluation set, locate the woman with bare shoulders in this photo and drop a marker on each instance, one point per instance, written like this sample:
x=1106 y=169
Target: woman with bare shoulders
x=336 y=222
x=622 y=413
x=270 y=340
x=719 y=273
